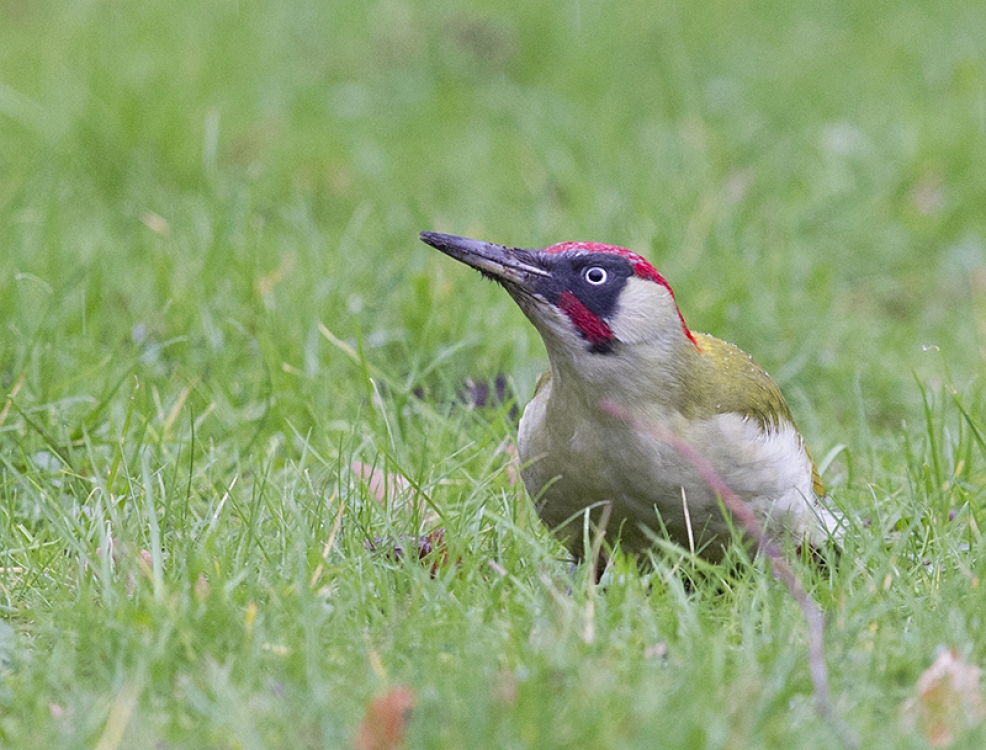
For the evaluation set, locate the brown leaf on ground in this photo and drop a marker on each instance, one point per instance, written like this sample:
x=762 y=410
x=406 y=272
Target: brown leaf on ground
x=506 y=687
x=383 y=486
x=947 y=700
x=481 y=394
x=201 y=587
x=389 y=487
x=509 y=447
x=385 y=721
x=432 y=544
x=120 y=551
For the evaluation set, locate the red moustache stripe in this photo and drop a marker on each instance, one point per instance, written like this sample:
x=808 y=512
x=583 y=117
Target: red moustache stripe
x=587 y=322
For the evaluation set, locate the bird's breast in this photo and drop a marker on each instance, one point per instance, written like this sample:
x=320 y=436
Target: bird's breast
x=574 y=458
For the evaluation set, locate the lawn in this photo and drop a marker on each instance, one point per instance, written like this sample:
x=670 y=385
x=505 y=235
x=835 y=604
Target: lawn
x=217 y=320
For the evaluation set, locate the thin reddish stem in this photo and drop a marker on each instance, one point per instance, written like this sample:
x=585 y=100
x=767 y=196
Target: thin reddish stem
x=742 y=512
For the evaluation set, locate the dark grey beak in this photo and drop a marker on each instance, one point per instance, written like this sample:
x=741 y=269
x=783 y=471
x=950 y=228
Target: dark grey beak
x=499 y=262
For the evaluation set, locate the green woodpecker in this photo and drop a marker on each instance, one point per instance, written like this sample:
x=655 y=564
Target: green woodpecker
x=616 y=337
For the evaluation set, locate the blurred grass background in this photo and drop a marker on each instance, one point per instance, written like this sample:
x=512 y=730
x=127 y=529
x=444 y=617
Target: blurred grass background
x=188 y=190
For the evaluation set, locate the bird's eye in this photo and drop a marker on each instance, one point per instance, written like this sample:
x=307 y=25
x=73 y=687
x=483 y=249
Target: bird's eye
x=595 y=275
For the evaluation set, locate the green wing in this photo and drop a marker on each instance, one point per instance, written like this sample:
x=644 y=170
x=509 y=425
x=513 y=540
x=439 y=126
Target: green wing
x=731 y=382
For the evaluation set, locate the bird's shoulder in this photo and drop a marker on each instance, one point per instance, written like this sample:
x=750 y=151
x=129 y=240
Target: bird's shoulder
x=729 y=381
x=733 y=383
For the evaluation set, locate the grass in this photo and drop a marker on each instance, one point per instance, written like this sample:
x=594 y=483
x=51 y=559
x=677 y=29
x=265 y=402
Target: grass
x=214 y=303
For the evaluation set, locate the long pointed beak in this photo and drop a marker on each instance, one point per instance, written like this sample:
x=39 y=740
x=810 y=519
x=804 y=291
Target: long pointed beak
x=501 y=263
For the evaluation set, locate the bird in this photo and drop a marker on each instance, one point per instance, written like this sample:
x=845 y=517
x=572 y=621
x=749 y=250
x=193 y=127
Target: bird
x=636 y=409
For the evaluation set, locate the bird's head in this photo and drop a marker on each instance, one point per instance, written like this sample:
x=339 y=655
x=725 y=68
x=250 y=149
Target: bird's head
x=593 y=304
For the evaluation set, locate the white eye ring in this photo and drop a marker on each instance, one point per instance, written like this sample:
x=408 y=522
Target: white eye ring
x=595 y=275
